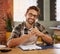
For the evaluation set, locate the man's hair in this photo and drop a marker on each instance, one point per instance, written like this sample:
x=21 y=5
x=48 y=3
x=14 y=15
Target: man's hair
x=34 y=8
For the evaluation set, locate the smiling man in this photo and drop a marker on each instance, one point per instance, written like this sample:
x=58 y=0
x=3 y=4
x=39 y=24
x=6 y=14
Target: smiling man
x=28 y=32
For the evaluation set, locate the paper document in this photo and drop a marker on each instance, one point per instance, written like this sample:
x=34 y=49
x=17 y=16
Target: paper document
x=57 y=46
x=30 y=47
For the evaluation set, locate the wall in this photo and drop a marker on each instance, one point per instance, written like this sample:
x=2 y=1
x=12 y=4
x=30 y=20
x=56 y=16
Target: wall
x=5 y=7
x=47 y=23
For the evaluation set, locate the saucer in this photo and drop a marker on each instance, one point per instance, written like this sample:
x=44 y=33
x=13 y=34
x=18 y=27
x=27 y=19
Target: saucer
x=2 y=46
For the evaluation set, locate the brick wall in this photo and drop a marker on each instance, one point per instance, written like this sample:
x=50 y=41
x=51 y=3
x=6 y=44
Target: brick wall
x=5 y=7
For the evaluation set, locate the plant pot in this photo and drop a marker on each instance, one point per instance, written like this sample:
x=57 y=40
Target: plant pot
x=8 y=35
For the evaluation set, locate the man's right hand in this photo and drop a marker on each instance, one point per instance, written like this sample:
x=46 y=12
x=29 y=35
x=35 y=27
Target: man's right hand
x=32 y=32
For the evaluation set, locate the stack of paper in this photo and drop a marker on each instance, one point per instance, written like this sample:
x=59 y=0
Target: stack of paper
x=30 y=47
x=57 y=46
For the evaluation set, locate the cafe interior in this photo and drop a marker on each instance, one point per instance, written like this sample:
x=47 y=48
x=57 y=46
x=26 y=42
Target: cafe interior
x=12 y=13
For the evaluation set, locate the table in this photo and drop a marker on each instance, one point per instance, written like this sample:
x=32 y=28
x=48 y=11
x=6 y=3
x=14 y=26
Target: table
x=56 y=30
x=56 y=33
x=45 y=51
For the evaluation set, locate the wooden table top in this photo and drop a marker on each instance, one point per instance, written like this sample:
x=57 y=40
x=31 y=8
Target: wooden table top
x=44 y=51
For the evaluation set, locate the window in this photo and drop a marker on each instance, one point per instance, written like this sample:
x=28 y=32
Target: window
x=58 y=10
x=55 y=10
x=52 y=10
x=20 y=7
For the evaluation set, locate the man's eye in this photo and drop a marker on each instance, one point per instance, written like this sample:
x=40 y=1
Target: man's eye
x=30 y=14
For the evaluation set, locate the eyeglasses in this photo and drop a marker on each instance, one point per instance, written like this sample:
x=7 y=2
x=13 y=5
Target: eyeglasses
x=35 y=16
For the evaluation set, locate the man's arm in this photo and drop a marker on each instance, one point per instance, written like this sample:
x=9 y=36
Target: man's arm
x=41 y=31
x=20 y=40
x=17 y=41
x=45 y=37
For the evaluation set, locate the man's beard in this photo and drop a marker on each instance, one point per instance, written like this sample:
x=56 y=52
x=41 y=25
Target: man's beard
x=30 y=21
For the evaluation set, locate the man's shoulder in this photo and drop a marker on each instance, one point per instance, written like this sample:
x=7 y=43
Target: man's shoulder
x=38 y=24
x=20 y=25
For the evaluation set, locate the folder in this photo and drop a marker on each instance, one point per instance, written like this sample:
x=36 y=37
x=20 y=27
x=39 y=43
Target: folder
x=30 y=47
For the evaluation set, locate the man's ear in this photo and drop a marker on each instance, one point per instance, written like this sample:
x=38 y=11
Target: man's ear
x=25 y=14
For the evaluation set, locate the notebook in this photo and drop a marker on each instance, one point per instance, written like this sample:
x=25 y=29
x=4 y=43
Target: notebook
x=30 y=47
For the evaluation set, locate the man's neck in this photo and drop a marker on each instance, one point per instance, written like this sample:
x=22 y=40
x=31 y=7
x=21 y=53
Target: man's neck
x=29 y=25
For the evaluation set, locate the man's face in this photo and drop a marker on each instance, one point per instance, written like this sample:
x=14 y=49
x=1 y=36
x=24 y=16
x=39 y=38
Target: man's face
x=31 y=16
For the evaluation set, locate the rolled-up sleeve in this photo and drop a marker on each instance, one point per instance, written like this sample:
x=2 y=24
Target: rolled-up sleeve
x=16 y=32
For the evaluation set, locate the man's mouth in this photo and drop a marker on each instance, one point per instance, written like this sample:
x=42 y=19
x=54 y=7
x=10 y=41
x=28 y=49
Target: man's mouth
x=31 y=19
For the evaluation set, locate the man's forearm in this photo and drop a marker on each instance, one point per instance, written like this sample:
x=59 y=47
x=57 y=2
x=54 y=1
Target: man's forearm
x=16 y=41
x=46 y=38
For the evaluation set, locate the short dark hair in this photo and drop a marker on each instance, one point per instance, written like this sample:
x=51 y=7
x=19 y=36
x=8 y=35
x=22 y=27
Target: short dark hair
x=35 y=8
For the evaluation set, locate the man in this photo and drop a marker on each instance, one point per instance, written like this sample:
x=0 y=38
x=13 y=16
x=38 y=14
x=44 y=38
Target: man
x=28 y=32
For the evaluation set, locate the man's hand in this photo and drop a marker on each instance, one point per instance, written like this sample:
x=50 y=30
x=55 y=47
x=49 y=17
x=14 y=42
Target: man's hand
x=32 y=32
x=45 y=37
x=35 y=32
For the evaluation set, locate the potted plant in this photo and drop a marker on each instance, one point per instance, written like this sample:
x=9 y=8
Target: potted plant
x=8 y=26
x=57 y=38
